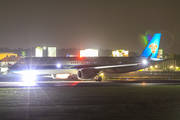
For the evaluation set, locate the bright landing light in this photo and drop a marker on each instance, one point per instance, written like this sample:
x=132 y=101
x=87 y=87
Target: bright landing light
x=29 y=77
x=144 y=62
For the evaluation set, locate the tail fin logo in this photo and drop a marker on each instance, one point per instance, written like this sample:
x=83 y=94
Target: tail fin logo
x=153 y=47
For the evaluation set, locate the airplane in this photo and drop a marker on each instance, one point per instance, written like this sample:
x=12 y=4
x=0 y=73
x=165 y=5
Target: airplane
x=88 y=67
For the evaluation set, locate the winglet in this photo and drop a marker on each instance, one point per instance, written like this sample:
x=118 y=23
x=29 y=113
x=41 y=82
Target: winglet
x=152 y=47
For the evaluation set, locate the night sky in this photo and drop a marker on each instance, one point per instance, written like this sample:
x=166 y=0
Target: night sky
x=106 y=24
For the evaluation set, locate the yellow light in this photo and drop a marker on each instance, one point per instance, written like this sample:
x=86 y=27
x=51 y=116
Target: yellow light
x=176 y=67
x=143 y=83
x=102 y=74
x=156 y=66
x=151 y=66
x=120 y=53
x=171 y=66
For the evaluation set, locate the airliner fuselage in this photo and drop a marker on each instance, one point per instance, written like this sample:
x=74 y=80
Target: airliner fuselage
x=88 y=67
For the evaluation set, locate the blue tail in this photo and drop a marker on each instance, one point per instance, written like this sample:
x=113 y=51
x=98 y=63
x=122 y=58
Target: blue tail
x=152 y=47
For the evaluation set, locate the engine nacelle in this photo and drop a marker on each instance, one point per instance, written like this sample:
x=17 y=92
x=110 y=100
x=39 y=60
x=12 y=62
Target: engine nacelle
x=86 y=73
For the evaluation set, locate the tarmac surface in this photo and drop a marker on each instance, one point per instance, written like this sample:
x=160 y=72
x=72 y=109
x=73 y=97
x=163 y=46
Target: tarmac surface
x=48 y=82
x=125 y=99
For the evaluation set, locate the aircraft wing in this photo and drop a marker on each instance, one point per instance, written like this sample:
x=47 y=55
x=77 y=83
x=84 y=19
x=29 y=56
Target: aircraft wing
x=115 y=66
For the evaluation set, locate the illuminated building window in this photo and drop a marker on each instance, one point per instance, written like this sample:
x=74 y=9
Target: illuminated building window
x=89 y=53
x=120 y=53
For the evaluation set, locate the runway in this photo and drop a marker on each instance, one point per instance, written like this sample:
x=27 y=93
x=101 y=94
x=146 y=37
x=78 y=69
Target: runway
x=107 y=99
x=136 y=82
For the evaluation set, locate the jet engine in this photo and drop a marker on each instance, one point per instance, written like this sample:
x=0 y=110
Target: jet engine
x=86 y=73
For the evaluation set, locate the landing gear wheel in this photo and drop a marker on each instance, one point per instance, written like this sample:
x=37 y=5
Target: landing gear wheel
x=99 y=79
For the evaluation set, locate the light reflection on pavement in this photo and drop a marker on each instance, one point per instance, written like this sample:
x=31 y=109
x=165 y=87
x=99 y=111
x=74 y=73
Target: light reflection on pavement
x=90 y=83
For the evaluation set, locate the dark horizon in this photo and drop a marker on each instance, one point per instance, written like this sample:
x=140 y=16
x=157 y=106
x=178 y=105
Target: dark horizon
x=89 y=24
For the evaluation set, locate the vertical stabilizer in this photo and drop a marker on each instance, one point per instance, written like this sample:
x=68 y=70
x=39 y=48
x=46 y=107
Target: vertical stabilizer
x=152 y=47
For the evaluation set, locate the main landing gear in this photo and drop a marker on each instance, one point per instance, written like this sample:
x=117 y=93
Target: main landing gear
x=98 y=78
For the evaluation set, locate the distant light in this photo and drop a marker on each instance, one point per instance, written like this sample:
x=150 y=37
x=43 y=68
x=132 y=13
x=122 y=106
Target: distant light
x=44 y=48
x=39 y=52
x=58 y=65
x=176 y=67
x=120 y=53
x=144 y=62
x=156 y=66
x=151 y=66
x=89 y=53
x=51 y=51
x=143 y=83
